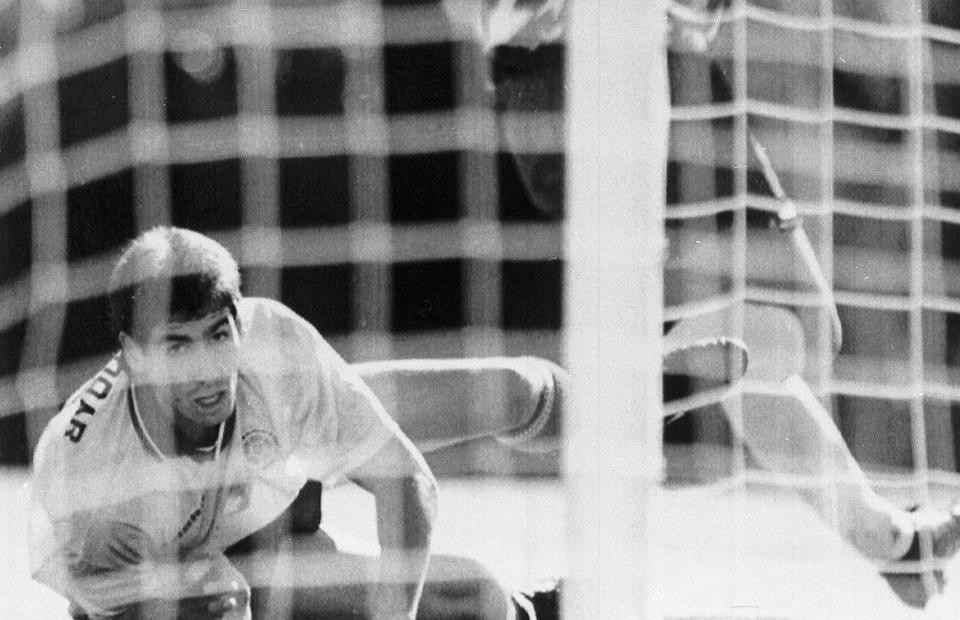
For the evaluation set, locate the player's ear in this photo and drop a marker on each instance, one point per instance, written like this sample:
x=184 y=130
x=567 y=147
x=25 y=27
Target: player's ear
x=133 y=353
x=236 y=318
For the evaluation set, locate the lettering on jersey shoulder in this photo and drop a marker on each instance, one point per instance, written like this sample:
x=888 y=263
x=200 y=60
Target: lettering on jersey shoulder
x=260 y=447
x=98 y=389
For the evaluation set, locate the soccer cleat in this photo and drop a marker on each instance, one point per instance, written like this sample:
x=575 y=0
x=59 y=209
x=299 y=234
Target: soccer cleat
x=937 y=532
x=542 y=602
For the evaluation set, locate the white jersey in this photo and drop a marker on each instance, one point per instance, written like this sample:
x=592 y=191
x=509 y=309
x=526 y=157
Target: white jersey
x=301 y=413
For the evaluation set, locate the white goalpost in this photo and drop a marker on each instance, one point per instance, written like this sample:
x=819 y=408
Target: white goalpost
x=617 y=124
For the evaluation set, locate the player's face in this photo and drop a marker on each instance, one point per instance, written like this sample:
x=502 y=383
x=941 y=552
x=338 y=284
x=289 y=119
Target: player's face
x=192 y=366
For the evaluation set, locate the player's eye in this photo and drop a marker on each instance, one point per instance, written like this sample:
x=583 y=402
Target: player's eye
x=221 y=335
x=177 y=348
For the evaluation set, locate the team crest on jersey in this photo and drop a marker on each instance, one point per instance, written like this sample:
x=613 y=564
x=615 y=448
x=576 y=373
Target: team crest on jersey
x=238 y=498
x=260 y=447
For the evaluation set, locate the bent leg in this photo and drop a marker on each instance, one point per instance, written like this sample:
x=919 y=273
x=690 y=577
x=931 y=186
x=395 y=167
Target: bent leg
x=439 y=403
x=310 y=577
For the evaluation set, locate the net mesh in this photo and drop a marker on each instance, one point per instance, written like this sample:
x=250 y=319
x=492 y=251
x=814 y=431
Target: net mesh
x=353 y=147
x=349 y=153
x=854 y=104
x=345 y=151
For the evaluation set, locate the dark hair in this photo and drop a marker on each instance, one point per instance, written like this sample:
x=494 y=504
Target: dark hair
x=170 y=274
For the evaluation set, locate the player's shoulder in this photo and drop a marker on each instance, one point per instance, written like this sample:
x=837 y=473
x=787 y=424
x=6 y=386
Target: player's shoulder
x=259 y=313
x=273 y=331
x=88 y=423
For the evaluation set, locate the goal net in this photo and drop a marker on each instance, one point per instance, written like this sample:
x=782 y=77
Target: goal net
x=358 y=147
x=852 y=105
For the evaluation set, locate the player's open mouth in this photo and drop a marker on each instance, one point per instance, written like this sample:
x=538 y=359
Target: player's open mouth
x=209 y=401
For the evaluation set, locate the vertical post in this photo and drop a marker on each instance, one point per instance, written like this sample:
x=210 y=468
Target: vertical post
x=617 y=128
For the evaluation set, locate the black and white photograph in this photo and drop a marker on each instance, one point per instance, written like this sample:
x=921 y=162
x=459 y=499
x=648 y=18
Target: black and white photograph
x=479 y=309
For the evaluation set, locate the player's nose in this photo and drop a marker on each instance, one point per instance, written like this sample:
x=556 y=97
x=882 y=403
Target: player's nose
x=210 y=363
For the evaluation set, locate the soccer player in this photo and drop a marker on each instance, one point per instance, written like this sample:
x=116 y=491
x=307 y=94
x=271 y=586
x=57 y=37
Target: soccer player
x=519 y=37
x=166 y=486
x=175 y=479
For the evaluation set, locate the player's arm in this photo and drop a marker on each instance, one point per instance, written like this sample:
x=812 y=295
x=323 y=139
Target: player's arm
x=389 y=466
x=203 y=588
x=113 y=568
x=405 y=494
x=344 y=432
x=106 y=561
x=107 y=566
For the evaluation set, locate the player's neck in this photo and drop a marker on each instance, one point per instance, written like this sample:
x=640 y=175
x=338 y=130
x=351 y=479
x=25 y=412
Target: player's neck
x=197 y=441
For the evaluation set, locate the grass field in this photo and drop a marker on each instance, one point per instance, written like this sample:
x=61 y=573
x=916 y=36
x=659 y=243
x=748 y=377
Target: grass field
x=721 y=553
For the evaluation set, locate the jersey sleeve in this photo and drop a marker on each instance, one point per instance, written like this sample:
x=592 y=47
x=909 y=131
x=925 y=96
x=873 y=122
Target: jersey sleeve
x=48 y=563
x=349 y=424
x=59 y=531
x=98 y=529
x=337 y=422
x=90 y=518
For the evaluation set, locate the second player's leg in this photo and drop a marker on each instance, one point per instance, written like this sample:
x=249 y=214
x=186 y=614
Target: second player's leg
x=790 y=432
x=796 y=436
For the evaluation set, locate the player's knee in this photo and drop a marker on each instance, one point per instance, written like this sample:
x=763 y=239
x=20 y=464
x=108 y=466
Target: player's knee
x=536 y=402
x=776 y=340
x=460 y=587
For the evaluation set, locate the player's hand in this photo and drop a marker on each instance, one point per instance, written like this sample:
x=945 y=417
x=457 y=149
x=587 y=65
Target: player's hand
x=112 y=545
